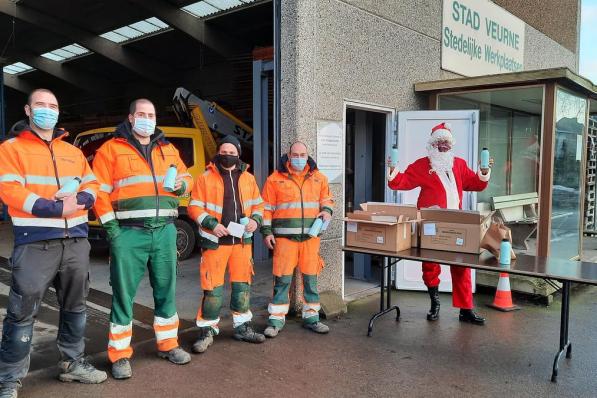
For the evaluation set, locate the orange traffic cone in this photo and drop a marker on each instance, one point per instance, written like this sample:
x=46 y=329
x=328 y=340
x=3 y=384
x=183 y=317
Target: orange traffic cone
x=503 y=295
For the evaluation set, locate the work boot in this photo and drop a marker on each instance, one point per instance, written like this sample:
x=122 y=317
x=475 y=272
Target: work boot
x=205 y=340
x=317 y=327
x=121 y=369
x=81 y=371
x=271 y=331
x=470 y=317
x=9 y=389
x=176 y=355
x=433 y=313
x=246 y=333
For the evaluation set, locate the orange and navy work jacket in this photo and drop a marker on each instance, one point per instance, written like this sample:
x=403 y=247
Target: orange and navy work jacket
x=31 y=172
x=131 y=191
x=207 y=200
x=293 y=200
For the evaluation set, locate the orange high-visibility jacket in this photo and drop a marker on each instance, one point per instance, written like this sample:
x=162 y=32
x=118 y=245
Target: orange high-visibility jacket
x=31 y=172
x=131 y=190
x=207 y=199
x=293 y=200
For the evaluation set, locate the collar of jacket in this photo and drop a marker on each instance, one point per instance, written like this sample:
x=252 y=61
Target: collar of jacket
x=125 y=131
x=285 y=161
x=22 y=129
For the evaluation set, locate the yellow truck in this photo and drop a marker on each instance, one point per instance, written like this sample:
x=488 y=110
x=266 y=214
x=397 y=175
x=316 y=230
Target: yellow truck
x=196 y=144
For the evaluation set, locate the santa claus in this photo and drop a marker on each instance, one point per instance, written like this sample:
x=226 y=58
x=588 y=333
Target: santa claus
x=442 y=178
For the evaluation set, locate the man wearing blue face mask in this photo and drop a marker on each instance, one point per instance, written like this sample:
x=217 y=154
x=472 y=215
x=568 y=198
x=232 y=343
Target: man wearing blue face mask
x=295 y=196
x=50 y=247
x=138 y=213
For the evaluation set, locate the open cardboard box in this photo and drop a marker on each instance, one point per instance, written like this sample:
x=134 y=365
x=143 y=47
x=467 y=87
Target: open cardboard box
x=395 y=209
x=378 y=231
x=453 y=230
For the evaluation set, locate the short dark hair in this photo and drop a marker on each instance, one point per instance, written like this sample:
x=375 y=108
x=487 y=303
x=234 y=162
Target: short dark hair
x=38 y=90
x=133 y=105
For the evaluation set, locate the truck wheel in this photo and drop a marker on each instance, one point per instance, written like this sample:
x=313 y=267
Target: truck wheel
x=185 y=239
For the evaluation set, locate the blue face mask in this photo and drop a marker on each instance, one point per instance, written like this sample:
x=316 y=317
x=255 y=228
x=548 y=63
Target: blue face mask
x=298 y=163
x=144 y=127
x=44 y=118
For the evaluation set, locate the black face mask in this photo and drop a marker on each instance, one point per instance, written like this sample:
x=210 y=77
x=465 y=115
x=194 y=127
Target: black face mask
x=227 y=160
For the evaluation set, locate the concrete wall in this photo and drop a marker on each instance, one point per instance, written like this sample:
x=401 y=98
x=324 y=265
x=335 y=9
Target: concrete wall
x=371 y=51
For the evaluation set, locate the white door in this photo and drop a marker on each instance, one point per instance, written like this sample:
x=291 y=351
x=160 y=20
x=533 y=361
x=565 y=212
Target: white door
x=414 y=129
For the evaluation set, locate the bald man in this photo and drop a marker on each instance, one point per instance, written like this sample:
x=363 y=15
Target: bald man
x=295 y=196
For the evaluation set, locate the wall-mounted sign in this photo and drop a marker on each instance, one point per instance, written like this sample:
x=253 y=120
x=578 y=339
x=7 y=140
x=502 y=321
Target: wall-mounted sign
x=329 y=150
x=481 y=38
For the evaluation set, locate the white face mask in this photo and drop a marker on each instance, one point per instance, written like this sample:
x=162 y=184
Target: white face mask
x=144 y=127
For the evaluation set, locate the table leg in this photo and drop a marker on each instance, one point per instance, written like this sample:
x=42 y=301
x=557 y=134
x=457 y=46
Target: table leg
x=565 y=345
x=383 y=309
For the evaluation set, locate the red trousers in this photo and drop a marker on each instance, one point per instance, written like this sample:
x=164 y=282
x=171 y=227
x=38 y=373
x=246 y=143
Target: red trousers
x=462 y=289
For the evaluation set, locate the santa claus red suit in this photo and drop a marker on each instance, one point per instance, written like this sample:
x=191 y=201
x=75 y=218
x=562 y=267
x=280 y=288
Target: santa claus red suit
x=442 y=179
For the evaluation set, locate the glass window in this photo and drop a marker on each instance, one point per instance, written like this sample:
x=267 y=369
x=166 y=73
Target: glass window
x=185 y=148
x=570 y=124
x=510 y=127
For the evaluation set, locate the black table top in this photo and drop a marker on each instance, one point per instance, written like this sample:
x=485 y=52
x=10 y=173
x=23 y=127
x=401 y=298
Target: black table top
x=540 y=267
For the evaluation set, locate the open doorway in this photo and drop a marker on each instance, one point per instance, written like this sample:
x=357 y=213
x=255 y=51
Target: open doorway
x=367 y=133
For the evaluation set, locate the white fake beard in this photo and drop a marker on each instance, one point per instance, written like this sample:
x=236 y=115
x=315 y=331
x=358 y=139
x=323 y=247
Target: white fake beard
x=440 y=161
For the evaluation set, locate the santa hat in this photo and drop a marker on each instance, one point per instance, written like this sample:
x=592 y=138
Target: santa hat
x=441 y=132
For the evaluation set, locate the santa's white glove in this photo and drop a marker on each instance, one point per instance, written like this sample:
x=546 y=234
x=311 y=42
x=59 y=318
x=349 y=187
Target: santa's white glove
x=484 y=177
x=392 y=173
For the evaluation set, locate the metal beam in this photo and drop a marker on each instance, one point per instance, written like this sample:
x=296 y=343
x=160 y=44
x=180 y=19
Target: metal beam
x=135 y=62
x=196 y=28
x=17 y=83
x=82 y=80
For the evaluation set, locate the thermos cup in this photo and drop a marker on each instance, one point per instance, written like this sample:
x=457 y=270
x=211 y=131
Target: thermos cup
x=170 y=179
x=245 y=221
x=71 y=186
x=485 y=158
x=316 y=227
x=394 y=156
x=505 y=249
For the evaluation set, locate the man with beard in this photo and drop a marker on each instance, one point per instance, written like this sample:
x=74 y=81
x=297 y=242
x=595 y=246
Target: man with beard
x=226 y=193
x=442 y=178
x=138 y=214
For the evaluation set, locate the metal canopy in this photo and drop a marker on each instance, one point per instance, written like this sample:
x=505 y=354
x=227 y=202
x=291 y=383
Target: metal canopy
x=210 y=55
x=562 y=75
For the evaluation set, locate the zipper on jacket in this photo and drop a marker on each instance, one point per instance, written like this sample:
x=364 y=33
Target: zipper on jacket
x=57 y=182
x=155 y=182
x=300 y=187
x=234 y=200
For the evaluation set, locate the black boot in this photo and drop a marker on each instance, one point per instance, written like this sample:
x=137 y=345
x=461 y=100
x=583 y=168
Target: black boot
x=470 y=317
x=433 y=313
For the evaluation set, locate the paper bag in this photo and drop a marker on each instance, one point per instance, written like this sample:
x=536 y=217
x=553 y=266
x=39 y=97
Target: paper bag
x=494 y=236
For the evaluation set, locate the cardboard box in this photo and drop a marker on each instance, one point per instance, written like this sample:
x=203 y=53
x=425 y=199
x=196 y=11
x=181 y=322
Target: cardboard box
x=378 y=231
x=396 y=209
x=453 y=230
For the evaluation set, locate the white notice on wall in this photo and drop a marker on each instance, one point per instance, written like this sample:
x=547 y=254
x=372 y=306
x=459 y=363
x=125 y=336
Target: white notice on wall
x=329 y=150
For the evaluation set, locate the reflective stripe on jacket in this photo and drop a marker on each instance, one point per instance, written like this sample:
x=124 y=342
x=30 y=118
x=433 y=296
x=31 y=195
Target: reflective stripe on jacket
x=131 y=187
x=207 y=200
x=31 y=172
x=293 y=200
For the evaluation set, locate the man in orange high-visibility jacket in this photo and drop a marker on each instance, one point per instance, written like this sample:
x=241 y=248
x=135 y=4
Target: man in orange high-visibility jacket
x=226 y=193
x=138 y=213
x=295 y=196
x=51 y=247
